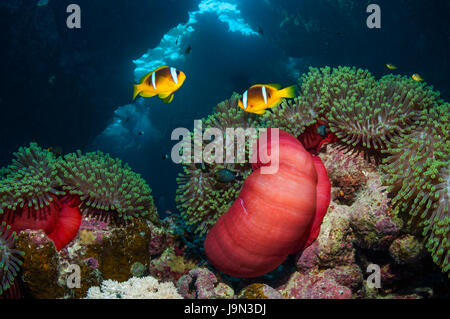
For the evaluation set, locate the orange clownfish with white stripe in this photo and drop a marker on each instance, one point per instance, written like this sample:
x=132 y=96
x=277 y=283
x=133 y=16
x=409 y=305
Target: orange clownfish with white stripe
x=260 y=97
x=163 y=81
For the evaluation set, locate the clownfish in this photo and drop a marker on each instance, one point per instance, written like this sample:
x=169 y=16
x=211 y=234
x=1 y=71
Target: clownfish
x=417 y=77
x=163 y=81
x=260 y=97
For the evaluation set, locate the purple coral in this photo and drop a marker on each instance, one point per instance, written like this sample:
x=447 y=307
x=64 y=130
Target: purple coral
x=198 y=284
x=315 y=286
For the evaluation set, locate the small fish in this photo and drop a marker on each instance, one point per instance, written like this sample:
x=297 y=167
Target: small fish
x=417 y=77
x=323 y=131
x=260 y=30
x=188 y=49
x=163 y=81
x=141 y=133
x=391 y=66
x=261 y=97
x=51 y=79
x=42 y=3
x=168 y=212
x=224 y=175
x=165 y=156
x=285 y=20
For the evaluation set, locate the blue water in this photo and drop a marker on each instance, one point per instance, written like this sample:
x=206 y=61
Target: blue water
x=72 y=87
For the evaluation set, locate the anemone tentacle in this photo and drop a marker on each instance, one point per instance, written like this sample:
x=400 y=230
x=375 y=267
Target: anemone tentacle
x=417 y=173
x=106 y=187
x=9 y=257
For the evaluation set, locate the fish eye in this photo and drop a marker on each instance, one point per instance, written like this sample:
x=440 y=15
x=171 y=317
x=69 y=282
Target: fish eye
x=178 y=72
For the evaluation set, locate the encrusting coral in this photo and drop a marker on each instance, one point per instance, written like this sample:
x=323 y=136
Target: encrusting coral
x=106 y=187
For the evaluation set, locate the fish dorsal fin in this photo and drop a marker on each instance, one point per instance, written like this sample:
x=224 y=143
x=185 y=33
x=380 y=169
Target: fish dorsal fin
x=274 y=85
x=150 y=73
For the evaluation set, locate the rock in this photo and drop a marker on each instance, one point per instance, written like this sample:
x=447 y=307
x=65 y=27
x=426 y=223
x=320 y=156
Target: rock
x=406 y=250
x=201 y=283
x=314 y=286
x=374 y=224
x=259 y=291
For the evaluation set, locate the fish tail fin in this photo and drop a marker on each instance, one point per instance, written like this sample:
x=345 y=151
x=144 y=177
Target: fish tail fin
x=137 y=90
x=288 y=92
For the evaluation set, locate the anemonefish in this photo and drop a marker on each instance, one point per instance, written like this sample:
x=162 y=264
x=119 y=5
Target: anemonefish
x=260 y=97
x=391 y=66
x=163 y=81
x=417 y=77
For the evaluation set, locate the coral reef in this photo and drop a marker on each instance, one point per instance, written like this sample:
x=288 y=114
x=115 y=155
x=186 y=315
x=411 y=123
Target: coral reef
x=102 y=251
x=171 y=264
x=134 y=288
x=393 y=214
x=106 y=187
x=360 y=233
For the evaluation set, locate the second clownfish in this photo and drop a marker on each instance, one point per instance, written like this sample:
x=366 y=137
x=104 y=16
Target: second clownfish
x=261 y=97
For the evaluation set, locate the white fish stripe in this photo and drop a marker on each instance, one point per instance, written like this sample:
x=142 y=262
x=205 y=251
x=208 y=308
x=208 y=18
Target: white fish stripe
x=173 y=72
x=154 y=80
x=244 y=99
x=264 y=93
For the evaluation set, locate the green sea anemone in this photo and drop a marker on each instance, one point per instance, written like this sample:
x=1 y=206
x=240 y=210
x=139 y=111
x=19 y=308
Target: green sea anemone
x=9 y=257
x=3 y=172
x=201 y=198
x=30 y=180
x=366 y=114
x=107 y=188
x=418 y=174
